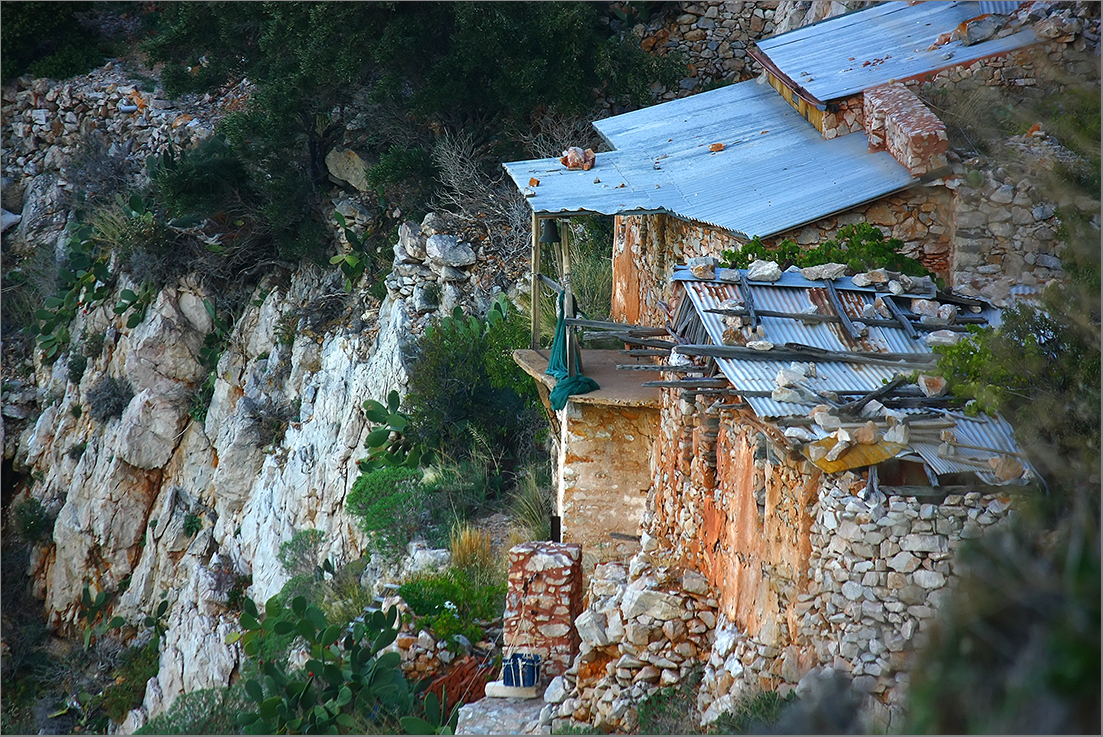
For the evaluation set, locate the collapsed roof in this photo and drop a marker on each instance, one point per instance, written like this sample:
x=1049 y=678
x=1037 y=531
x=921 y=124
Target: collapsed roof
x=841 y=365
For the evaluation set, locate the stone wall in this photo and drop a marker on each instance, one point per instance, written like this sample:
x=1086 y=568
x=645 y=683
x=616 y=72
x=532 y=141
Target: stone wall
x=751 y=527
x=605 y=473
x=646 y=248
x=800 y=571
x=1006 y=223
x=647 y=626
x=543 y=599
x=713 y=36
x=879 y=570
x=921 y=217
x=435 y=271
x=897 y=122
x=1024 y=73
x=842 y=117
x=48 y=124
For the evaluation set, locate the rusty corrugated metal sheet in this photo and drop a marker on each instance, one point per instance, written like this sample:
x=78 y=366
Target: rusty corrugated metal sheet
x=793 y=294
x=840 y=57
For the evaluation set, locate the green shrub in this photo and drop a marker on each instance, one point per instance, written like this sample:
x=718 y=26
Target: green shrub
x=300 y=554
x=179 y=79
x=83 y=280
x=1041 y=370
x=46 y=40
x=346 y=683
x=32 y=523
x=192 y=524
x=754 y=714
x=861 y=247
x=671 y=710
x=136 y=666
x=200 y=400
x=392 y=507
x=388 y=444
x=76 y=450
x=93 y=345
x=108 y=398
x=464 y=386
x=77 y=365
x=399 y=164
x=199 y=180
x=531 y=507
x=207 y=711
x=454 y=603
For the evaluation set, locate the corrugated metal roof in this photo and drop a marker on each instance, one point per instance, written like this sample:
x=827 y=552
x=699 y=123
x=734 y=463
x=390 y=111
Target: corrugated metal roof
x=999 y=8
x=775 y=173
x=983 y=432
x=842 y=56
x=793 y=294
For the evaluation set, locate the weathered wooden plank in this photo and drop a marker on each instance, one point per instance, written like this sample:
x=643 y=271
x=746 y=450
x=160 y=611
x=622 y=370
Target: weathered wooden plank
x=791 y=354
x=551 y=283
x=901 y=318
x=688 y=384
x=650 y=342
x=654 y=367
x=748 y=299
x=645 y=352
x=857 y=404
x=640 y=330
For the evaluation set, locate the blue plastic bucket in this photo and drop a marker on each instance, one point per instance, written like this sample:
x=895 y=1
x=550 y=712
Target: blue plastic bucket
x=521 y=669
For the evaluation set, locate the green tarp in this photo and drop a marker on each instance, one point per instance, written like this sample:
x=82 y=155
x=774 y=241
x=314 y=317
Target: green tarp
x=565 y=385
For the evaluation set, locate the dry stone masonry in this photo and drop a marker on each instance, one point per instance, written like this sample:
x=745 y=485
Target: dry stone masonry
x=647 y=626
x=897 y=122
x=543 y=599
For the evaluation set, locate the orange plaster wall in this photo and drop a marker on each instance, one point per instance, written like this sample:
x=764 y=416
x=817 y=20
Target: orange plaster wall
x=758 y=563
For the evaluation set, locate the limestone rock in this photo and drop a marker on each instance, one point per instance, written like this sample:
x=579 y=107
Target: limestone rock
x=766 y=271
x=44 y=213
x=8 y=220
x=346 y=166
x=929 y=579
x=823 y=271
x=785 y=394
x=941 y=337
x=556 y=692
x=897 y=434
x=411 y=241
x=904 y=562
x=867 y=434
x=591 y=628
x=694 y=583
x=149 y=429
x=654 y=604
x=447 y=250
x=799 y=434
x=925 y=307
x=932 y=386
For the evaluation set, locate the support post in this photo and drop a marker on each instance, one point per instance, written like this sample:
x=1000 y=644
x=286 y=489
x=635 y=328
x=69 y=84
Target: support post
x=574 y=364
x=534 y=344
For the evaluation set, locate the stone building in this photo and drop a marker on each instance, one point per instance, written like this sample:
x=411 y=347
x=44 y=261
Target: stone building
x=703 y=174
x=808 y=482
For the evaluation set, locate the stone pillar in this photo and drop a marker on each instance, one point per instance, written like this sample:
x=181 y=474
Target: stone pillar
x=898 y=122
x=542 y=602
